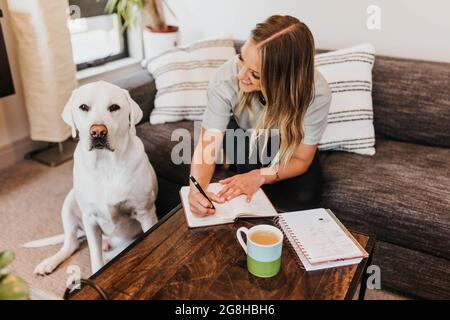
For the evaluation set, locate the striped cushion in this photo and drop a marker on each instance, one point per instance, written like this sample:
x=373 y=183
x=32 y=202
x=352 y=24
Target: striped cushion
x=350 y=119
x=182 y=76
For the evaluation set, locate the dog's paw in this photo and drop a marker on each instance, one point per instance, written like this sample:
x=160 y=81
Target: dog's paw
x=45 y=267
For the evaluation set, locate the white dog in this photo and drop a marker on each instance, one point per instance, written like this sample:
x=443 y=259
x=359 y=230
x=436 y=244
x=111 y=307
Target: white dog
x=114 y=184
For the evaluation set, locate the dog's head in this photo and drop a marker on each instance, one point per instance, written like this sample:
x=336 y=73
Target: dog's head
x=101 y=113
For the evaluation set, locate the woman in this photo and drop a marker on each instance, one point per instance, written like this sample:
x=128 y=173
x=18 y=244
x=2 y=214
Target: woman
x=270 y=84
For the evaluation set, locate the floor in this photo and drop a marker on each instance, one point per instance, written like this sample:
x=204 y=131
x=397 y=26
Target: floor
x=31 y=196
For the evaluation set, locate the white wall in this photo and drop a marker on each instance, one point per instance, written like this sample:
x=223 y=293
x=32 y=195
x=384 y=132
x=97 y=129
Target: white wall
x=416 y=29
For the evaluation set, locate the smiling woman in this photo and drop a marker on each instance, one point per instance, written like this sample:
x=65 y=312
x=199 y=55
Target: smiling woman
x=252 y=82
x=270 y=85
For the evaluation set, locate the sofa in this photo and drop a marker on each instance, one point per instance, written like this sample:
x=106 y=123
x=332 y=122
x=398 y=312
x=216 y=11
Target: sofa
x=401 y=194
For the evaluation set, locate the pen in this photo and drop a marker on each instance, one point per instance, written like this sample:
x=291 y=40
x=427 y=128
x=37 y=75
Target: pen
x=197 y=185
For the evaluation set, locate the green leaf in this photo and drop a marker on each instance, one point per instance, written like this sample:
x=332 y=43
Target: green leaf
x=124 y=9
x=6 y=257
x=14 y=288
x=111 y=6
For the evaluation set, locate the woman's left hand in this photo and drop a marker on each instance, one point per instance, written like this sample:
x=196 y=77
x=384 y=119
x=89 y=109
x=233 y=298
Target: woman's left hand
x=246 y=183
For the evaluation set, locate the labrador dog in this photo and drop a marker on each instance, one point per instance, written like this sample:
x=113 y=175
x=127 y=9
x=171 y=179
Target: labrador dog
x=114 y=184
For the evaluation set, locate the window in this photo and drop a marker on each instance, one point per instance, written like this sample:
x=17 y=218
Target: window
x=96 y=37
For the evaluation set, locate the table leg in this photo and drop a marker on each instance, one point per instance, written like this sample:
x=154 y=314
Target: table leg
x=362 y=289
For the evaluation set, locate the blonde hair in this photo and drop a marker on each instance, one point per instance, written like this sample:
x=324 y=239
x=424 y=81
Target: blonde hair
x=287 y=51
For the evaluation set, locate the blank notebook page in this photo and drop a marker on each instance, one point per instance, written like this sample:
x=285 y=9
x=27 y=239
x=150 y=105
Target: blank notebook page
x=320 y=237
x=259 y=204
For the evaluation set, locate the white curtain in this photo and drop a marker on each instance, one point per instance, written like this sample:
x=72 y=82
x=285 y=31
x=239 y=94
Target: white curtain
x=46 y=64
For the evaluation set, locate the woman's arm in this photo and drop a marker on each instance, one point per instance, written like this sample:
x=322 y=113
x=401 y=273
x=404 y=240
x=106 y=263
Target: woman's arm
x=202 y=168
x=297 y=165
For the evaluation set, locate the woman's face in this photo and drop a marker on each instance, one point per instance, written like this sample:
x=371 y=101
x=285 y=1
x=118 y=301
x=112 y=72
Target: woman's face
x=249 y=67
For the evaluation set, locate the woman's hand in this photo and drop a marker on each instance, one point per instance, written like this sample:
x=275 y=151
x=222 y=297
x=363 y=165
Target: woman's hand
x=199 y=204
x=246 y=183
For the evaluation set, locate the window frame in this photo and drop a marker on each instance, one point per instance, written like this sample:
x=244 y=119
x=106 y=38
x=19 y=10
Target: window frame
x=92 y=8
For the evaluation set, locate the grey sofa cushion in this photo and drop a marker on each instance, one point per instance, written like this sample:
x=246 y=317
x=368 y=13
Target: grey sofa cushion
x=412 y=100
x=413 y=272
x=158 y=146
x=401 y=194
x=142 y=88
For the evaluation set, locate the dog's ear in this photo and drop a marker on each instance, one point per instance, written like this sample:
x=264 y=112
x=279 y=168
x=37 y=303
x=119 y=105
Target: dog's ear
x=135 y=113
x=67 y=114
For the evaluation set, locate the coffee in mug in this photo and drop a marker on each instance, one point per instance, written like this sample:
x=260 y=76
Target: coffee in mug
x=264 y=237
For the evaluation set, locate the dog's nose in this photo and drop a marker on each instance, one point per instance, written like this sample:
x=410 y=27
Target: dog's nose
x=98 y=131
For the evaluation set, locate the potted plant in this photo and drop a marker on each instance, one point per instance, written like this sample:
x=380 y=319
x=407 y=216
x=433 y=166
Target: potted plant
x=11 y=287
x=157 y=35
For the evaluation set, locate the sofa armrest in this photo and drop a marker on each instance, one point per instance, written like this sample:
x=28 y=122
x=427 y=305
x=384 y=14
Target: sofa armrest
x=142 y=88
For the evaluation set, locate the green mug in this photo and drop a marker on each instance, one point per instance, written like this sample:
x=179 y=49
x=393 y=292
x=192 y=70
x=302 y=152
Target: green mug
x=263 y=249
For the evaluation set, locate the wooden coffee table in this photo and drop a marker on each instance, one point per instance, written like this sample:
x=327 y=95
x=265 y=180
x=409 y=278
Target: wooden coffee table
x=172 y=261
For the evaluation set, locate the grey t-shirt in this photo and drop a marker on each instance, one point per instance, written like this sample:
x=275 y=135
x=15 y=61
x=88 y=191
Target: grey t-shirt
x=223 y=98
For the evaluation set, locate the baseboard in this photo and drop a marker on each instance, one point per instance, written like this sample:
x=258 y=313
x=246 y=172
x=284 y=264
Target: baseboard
x=15 y=152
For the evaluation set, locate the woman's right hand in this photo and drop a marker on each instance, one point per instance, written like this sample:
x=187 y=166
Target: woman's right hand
x=199 y=204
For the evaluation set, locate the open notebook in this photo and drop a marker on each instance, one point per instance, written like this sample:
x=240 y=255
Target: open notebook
x=319 y=239
x=228 y=212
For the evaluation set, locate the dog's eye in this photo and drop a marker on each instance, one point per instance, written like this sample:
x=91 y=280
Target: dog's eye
x=113 y=108
x=84 y=107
